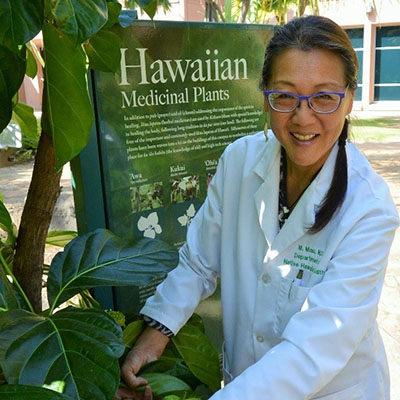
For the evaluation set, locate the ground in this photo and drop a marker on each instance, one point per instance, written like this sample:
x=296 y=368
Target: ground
x=384 y=157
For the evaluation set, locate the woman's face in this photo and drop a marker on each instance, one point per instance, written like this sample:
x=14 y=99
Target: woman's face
x=306 y=135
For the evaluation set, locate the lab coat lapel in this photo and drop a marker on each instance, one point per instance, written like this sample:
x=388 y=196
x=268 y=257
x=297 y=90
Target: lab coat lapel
x=303 y=215
x=266 y=197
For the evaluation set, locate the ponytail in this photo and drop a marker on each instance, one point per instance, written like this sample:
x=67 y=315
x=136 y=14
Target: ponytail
x=337 y=191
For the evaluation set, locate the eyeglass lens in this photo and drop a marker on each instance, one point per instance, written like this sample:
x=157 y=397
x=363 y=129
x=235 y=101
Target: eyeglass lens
x=320 y=103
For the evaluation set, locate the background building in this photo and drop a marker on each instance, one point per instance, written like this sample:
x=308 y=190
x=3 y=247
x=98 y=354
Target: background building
x=373 y=27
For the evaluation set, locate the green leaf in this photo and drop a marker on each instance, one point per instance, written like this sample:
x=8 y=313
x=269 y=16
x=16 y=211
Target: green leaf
x=172 y=366
x=202 y=392
x=197 y=322
x=148 y=6
x=78 y=347
x=103 y=51
x=24 y=116
x=199 y=354
x=31 y=66
x=79 y=19
x=100 y=258
x=12 y=72
x=24 y=392
x=127 y=17
x=60 y=238
x=6 y=222
x=162 y=365
x=132 y=332
x=7 y=251
x=228 y=10
x=114 y=10
x=8 y=297
x=67 y=111
x=20 y=21
x=163 y=384
x=35 y=51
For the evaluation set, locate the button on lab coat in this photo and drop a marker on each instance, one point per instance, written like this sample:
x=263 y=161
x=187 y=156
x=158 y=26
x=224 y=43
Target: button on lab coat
x=288 y=338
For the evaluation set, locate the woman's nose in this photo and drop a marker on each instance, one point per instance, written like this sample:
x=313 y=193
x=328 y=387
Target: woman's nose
x=303 y=114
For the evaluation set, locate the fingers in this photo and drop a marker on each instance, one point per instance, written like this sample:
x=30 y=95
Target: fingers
x=133 y=362
x=127 y=393
x=147 y=394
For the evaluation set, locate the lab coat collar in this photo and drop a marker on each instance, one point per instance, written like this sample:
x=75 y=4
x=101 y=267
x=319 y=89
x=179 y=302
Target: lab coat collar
x=303 y=215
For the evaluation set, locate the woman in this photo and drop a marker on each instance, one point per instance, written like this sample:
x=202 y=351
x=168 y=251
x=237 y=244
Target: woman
x=298 y=227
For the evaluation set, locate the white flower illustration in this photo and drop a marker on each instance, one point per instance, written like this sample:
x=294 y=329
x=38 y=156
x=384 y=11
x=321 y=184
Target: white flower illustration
x=186 y=219
x=149 y=225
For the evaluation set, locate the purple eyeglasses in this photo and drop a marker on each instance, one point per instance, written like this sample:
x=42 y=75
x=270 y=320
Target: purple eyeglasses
x=321 y=103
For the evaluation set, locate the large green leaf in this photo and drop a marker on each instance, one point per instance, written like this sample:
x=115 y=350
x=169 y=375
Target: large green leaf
x=103 y=51
x=114 y=10
x=148 y=6
x=25 y=392
x=79 y=19
x=12 y=72
x=67 y=111
x=20 y=21
x=6 y=222
x=100 y=258
x=24 y=116
x=78 y=347
x=8 y=297
x=163 y=384
x=132 y=332
x=199 y=354
x=31 y=66
x=60 y=238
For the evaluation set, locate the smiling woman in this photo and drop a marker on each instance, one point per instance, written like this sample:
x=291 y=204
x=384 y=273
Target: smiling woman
x=298 y=227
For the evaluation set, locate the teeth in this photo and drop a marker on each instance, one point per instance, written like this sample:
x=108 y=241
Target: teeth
x=303 y=137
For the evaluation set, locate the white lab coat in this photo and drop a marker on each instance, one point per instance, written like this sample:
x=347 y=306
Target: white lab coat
x=287 y=339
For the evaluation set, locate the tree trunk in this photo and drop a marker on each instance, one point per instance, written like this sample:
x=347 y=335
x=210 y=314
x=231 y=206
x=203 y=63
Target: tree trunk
x=245 y=10
x=43 y=193
x=302 y=5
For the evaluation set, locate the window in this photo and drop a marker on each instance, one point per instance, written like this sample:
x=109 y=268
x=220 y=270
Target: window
x=356 y=36
x=387 y=61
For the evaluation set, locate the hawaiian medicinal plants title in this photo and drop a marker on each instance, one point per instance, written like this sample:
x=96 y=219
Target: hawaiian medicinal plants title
x=199 y=71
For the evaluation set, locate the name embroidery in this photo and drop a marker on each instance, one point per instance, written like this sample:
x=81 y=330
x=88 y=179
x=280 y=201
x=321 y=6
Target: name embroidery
x=306 y=258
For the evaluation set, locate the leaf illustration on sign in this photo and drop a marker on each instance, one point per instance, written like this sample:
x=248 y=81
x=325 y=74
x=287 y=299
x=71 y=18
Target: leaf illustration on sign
x=149 y=225
x=186 y=219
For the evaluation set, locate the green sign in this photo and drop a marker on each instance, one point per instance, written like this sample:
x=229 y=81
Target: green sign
x=184 y=91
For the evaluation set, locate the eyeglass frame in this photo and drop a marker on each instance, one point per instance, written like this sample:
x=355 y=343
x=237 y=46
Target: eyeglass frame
x=300 y=98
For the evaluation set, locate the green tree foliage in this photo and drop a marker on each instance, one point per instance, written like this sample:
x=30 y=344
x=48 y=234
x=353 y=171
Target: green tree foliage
x=77 y=34
x=260 y=11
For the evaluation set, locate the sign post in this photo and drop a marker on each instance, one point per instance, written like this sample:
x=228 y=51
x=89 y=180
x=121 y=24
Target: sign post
x=184 y=91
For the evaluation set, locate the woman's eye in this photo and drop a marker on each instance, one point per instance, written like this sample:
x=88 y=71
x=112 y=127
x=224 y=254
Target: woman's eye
x=283 y=96
x=324 y=97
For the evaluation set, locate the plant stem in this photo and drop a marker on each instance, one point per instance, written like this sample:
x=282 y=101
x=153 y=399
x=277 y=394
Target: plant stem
x=15 y=281
x=43 y=192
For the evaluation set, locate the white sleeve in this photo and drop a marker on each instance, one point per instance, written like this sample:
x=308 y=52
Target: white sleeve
x=338 y=313
x=194 y=278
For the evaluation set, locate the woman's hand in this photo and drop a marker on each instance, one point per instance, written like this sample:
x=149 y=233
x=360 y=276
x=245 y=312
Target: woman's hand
x=149 y=347
x=131 y=394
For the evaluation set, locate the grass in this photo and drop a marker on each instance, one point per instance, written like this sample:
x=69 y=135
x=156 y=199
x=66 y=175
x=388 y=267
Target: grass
x=375 y=130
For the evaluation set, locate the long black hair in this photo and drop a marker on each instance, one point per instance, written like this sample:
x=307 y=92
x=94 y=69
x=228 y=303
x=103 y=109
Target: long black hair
x=315 y=32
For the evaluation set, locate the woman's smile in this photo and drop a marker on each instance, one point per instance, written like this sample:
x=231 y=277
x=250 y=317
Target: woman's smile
x=306 y=135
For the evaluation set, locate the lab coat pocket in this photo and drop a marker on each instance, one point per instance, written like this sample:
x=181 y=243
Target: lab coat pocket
x=291 y=298
x=351 y=393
